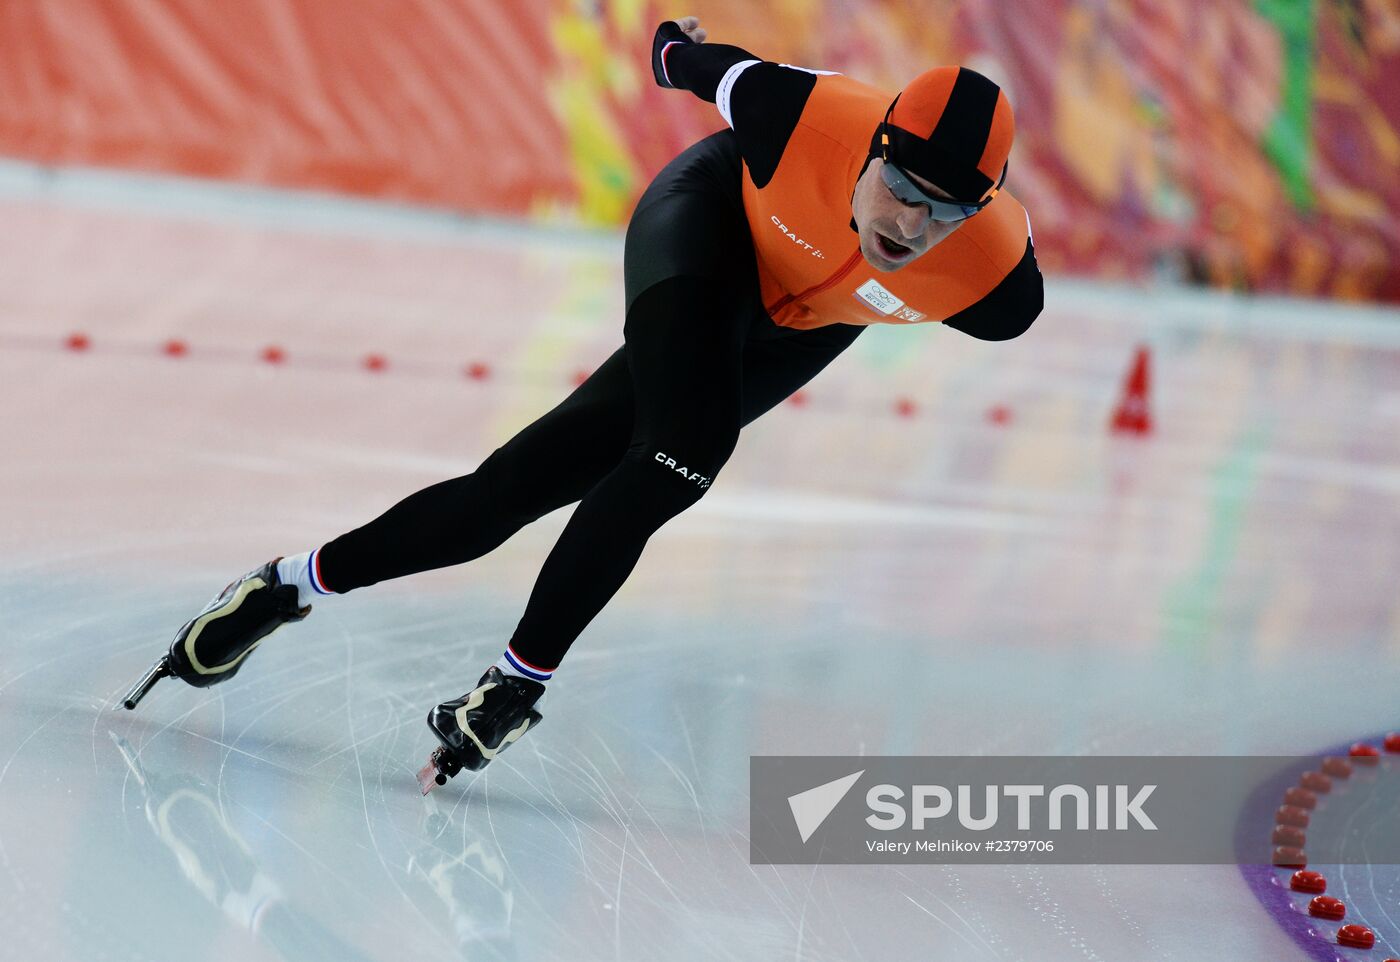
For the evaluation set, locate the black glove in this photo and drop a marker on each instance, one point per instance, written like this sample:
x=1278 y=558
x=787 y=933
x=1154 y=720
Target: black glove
x=668 y=32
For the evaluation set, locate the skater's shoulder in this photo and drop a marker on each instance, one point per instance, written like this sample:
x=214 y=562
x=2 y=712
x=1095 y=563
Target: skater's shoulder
x=844 y=110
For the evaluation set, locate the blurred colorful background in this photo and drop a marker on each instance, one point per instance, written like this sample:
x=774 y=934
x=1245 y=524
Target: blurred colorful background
x=1248 y=145
x=269 y=266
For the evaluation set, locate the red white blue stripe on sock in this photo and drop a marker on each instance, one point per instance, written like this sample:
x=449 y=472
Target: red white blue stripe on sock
x=527 y=669
x=313 y=567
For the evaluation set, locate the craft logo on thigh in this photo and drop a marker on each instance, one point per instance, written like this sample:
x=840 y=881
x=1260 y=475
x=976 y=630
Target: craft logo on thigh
x=682 y=470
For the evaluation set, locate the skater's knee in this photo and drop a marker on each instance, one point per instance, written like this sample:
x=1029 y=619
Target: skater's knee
x=522 y=489
x=684 y=469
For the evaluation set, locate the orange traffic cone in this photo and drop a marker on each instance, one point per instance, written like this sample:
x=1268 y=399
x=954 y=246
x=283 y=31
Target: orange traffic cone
x=1132 y=415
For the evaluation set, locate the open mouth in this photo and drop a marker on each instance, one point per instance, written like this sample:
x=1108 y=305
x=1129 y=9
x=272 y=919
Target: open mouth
x=892 y=249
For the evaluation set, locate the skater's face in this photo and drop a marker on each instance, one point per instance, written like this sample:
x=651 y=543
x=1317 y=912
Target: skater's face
x=892 y=232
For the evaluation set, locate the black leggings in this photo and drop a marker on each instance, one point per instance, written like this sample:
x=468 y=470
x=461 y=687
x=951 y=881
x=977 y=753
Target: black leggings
x=638 y=442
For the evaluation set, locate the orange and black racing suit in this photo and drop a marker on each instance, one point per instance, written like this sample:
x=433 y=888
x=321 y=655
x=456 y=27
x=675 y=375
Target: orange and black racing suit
x=743 y=279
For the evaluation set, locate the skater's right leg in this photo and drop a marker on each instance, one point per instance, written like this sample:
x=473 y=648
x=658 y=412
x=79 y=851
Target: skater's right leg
x=212 y=646
x=551 y=463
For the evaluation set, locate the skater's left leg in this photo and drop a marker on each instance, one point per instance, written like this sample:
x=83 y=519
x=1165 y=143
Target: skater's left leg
x=587 y=566
x=685 y=340
x=697 y=380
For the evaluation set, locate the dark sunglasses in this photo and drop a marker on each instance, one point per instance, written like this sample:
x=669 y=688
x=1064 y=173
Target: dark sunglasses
x=906 y=192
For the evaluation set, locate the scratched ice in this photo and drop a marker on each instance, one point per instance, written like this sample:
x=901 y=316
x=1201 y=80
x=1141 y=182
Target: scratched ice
x=856 y=582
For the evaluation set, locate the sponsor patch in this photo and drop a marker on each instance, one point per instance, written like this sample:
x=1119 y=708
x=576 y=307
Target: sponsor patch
x=873 y=293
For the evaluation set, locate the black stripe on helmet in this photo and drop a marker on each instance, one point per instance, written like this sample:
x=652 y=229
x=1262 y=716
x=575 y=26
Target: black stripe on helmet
x=962 y=131
x=928 y=159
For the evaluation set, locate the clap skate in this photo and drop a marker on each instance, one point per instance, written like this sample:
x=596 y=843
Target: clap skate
x=213 y=645
x=480 y=725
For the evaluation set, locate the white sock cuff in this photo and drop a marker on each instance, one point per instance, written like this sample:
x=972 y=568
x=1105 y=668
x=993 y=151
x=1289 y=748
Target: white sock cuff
x=303 y=570
x=512 y=664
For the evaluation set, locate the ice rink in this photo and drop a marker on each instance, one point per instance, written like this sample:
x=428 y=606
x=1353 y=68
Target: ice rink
x=884 y=568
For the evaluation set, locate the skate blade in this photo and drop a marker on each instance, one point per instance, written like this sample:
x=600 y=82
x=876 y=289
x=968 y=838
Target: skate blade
x=147 y=681
x=439 y=769
x=428 y=777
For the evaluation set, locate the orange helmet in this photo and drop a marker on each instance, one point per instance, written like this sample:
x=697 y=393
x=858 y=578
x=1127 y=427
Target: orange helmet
x=953 y=127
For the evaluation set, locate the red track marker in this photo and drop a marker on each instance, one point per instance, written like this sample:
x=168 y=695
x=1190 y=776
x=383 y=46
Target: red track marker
x=1326 y=907
x=1356 y=936
x=1315 y=782
x=1311 y=882
x=1336 y=767
x=1300 y=798
x=1363 y=754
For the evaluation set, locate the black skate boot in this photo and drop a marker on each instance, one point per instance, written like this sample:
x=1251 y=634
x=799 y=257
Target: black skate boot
x=480 y=725
x=212 y=646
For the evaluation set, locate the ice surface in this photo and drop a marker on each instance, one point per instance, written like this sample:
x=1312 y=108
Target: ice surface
x=856 y=582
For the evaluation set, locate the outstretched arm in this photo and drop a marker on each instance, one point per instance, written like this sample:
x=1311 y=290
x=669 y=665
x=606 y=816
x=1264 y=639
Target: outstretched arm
x=762 y=101
x=680 y=58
